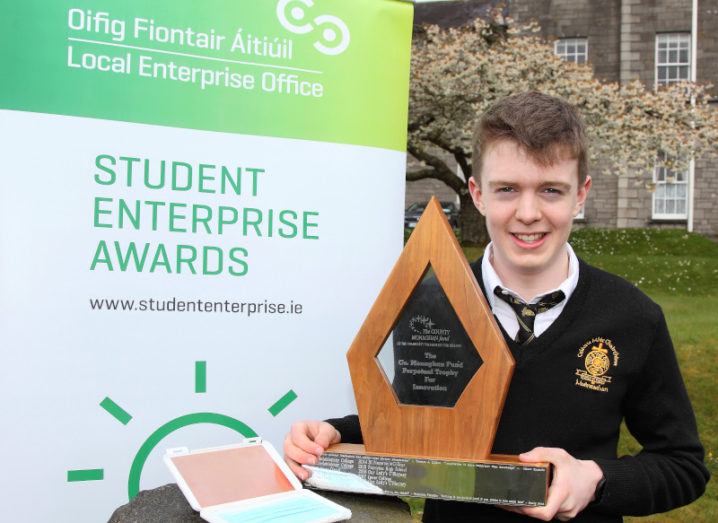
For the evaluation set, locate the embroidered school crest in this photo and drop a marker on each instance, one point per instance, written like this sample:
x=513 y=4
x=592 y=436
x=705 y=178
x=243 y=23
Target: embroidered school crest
x=597 y=356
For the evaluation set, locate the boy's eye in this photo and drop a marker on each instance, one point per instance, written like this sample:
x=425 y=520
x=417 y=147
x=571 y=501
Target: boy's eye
x=553 y=190
x=505 y=189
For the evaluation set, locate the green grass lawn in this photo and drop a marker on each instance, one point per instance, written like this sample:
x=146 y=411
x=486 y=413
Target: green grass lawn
x=680 y=272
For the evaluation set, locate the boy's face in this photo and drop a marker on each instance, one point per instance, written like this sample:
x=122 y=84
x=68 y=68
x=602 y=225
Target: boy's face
x=529 y=210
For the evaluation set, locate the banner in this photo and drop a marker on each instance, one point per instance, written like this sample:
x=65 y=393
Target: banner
x=200 y=201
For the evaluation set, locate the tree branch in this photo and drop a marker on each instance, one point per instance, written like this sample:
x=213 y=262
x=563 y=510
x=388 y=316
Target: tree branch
x=420 y=174
x=441 y=171
x=456 y=151
x=463 y=162
x=438 y=140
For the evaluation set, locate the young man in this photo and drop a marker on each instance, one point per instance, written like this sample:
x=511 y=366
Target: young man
x=591 y=350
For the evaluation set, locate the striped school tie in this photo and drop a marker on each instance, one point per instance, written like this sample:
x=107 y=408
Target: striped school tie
x=526 y=312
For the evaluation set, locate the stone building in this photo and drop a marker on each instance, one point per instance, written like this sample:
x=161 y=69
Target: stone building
x=623 y=40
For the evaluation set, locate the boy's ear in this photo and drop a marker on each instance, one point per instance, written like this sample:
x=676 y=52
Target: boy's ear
x=583 y=190
x=476 y=195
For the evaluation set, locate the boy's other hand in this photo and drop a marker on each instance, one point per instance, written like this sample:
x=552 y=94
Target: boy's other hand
x=306 y=442
x=572 y=488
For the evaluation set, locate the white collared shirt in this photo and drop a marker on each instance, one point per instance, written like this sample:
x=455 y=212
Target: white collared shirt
x=503 y=311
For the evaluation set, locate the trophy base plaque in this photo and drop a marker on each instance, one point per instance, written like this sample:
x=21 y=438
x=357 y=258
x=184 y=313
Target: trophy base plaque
x=501 y=480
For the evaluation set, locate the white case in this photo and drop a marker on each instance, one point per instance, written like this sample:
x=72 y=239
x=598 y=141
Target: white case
x=216 y=513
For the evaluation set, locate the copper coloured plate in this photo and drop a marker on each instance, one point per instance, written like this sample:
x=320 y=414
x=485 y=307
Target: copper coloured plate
x=227 y=475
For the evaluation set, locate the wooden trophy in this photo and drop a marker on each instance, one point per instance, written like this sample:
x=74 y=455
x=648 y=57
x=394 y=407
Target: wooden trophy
x=430 y=371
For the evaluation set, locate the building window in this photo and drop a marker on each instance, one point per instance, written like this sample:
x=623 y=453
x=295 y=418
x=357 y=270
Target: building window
x=670 y=198
x=673 y=58
x=572 y=49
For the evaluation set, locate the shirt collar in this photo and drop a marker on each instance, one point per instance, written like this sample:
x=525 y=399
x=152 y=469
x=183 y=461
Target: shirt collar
x=491 y=279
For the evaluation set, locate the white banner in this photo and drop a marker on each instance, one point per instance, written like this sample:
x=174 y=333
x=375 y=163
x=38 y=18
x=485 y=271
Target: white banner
x=185 y=263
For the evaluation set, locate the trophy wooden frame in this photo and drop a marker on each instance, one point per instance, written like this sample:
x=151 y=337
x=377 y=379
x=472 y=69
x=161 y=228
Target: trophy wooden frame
x=467 y=430
x=398 y=436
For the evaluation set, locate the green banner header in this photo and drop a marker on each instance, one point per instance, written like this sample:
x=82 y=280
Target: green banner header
x=325 y=70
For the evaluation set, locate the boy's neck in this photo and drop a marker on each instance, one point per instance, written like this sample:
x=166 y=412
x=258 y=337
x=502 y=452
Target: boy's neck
x=530 y=283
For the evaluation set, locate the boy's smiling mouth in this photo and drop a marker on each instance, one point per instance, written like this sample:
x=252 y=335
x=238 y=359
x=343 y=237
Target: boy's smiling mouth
x=529 y=238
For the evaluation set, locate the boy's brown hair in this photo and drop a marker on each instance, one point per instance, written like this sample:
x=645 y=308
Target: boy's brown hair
x=546 y=127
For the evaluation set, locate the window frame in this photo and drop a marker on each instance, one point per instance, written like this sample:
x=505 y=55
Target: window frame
x=575 y=40
x=668 y=38
x=658 y=169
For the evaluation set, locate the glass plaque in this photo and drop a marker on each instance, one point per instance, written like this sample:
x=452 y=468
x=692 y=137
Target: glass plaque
x=428 y=358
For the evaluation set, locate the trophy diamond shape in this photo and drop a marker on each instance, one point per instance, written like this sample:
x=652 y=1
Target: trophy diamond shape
x=465 y=431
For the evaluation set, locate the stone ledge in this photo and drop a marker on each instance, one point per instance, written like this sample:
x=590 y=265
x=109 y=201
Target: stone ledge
x=167 y=504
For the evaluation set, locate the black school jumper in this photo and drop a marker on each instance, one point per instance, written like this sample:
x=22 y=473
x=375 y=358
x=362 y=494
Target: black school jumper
x=561 y=396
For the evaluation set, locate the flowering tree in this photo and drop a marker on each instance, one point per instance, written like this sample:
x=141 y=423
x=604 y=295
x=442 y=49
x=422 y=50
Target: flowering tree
x=457 y=73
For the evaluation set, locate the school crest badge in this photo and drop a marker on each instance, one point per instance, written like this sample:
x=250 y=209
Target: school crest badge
x=597 y=357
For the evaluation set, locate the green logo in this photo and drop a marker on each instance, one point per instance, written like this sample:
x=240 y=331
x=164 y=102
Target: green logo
x=212 y=418
x=335 y=35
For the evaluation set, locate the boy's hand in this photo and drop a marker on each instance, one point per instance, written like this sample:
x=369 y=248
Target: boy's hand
x=306 y=441
x=573 y=486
